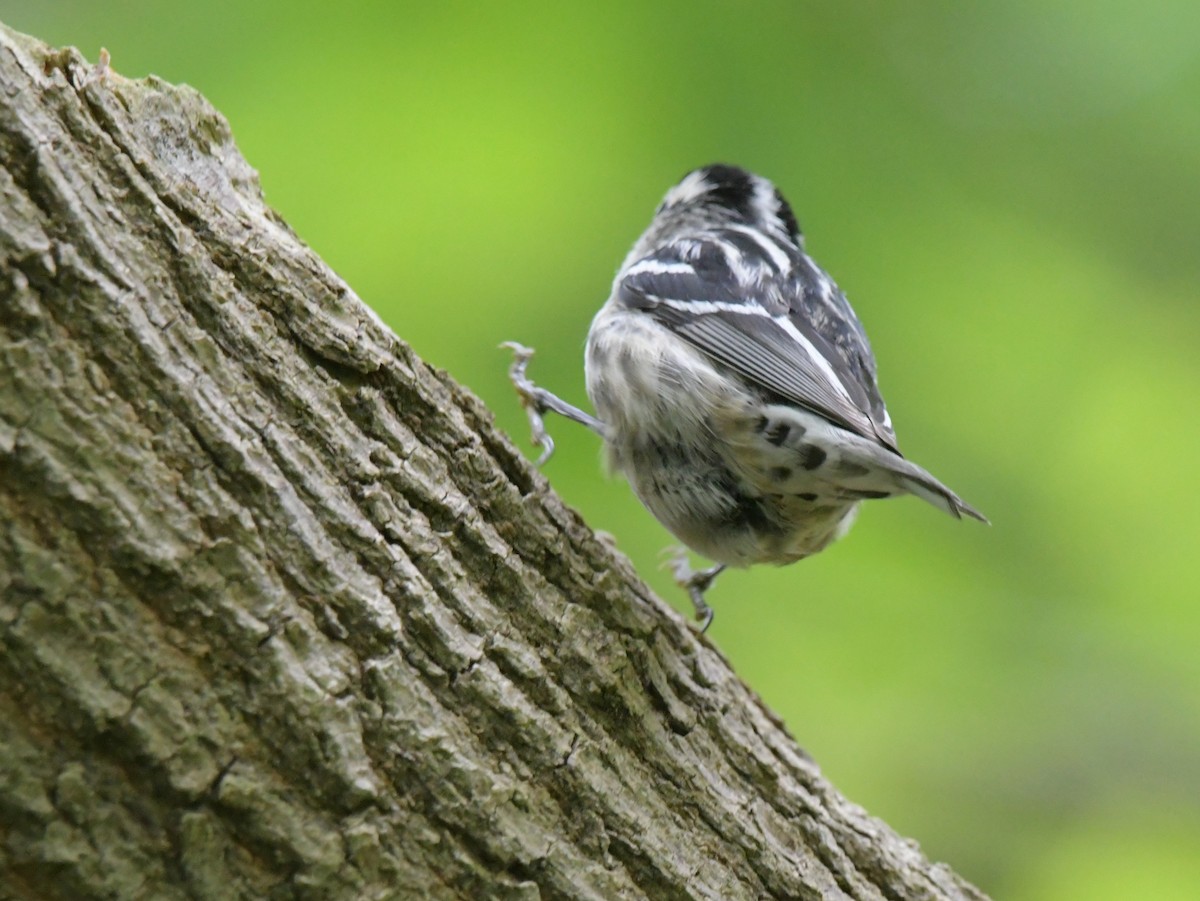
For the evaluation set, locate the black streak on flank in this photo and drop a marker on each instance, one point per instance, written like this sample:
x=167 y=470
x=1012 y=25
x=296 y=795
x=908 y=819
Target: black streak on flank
x=747 y=511
x=750 y=512
x=629 y=370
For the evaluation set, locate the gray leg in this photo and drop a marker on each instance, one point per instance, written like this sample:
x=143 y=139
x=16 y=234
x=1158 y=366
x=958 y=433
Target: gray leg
x=695 y=583
x=537 y=401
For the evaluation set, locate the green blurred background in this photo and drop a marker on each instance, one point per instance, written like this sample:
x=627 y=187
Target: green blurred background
x=1010 y=195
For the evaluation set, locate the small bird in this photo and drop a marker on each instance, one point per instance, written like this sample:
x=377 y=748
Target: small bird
x=734 y=386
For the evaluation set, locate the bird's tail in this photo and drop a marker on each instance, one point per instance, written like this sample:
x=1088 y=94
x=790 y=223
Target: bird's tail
x=913 y=479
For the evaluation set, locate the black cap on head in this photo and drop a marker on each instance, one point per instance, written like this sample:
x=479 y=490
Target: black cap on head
x=753 y=198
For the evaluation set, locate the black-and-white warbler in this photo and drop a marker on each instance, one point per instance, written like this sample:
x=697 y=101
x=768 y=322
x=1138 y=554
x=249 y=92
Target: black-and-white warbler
x=734 y=386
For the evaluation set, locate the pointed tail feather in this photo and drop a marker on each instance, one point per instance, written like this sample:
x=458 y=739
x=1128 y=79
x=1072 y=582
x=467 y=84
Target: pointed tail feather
x=916 y=481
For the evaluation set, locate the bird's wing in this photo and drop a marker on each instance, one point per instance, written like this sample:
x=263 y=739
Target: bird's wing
x=768 y=313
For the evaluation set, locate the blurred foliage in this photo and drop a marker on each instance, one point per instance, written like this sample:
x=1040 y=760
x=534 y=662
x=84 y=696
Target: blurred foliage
x=1010 y=195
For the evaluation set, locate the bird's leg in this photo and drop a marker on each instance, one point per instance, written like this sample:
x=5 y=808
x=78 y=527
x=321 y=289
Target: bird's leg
x=695 y=583
x=537 y=401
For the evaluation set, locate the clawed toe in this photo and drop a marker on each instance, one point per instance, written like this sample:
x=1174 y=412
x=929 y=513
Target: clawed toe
x=694 y=582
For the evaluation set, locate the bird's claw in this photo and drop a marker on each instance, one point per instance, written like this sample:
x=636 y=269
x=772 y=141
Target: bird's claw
x=694 y=582
x=531 y=399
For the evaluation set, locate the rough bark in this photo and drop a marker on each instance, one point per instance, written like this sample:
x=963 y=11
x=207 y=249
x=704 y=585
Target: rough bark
x=282 y=615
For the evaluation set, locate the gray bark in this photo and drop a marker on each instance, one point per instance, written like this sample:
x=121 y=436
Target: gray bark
x=283 y=616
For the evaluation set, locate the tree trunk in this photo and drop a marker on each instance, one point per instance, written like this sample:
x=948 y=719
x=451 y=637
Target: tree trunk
x=282 y=614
